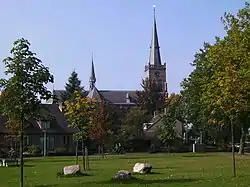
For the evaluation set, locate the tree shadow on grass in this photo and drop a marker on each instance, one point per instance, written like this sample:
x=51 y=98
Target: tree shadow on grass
x=128 y=157
x=46 y=185
x=78 y=174
x=200 y=155
x=151 y=173
x=25 y=165
x=167 y=167
x=144 y=181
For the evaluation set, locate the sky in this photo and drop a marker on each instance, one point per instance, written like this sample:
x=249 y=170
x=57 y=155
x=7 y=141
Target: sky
x=118 y=32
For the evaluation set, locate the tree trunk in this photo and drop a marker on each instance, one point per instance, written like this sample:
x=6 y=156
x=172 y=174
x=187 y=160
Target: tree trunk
x=169 y=151
x=99 y=149
x=102 y=149
x=76 y=152
x=233 y=153
x=21 y=152
x=86 y=158
x=83 y=157
x=242 y=141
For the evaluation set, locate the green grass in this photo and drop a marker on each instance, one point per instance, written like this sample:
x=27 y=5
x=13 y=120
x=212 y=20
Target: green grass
x=174 y=170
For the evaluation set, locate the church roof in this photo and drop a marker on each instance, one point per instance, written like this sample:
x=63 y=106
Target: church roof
x=113 y=96
x=94 y=94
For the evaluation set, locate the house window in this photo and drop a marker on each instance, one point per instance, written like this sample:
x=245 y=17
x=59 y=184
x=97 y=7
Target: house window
x=51 y=143
x=26 y=141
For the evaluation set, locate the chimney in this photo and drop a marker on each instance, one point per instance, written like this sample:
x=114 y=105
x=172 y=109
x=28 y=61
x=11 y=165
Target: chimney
x=127 y=98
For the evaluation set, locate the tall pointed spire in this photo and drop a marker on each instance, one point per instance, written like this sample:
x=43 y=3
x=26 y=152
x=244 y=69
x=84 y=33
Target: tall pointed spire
x=92 y=78
x=155 y=57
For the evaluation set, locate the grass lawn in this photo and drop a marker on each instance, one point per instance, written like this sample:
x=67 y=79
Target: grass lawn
x=175 y=170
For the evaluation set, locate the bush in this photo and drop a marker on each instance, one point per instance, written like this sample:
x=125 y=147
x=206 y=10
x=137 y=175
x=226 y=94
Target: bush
x=33 y=150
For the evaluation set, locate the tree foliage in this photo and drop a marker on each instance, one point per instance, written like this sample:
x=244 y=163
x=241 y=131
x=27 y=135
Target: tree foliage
x=166 y=133
x=132 y=123
x=174 y=104
x=79 y=112
x=24 y=90
x=149 y=98
x=217 y=91
x=73 y=85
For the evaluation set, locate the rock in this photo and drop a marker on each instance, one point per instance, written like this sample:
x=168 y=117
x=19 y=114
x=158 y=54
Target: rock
x=123 y=174
x=142 y=168
x=69 y=170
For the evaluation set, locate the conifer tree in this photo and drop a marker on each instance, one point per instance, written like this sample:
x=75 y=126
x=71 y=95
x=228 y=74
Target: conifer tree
x=74 y=84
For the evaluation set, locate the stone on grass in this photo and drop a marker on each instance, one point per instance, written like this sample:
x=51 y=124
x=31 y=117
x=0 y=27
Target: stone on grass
x=142 y=168
x=70 y=170
x=123 y=174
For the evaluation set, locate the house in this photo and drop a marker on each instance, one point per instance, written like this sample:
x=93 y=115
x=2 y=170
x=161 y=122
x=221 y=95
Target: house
x=152 y=126
x=58 y=134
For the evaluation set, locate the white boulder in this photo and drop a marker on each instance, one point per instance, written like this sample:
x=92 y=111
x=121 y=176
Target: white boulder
x=142 y=168
x=69 y=170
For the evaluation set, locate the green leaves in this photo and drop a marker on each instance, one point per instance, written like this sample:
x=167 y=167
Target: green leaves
x=26 y=86
x=79 y=112
x=74 y=84
x=131 y=127
x=218 y=88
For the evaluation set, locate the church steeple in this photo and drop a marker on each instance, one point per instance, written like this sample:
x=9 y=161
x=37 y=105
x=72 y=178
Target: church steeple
x=92 y=79
x=154 y=57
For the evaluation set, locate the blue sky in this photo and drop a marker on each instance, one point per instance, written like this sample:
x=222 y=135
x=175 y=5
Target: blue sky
x=118 y=32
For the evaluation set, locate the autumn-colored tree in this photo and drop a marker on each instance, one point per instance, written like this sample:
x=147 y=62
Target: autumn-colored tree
x=98 y=129
x=79 y=112
x=24 y=90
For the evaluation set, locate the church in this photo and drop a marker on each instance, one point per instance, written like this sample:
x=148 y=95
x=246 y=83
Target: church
x=154 y=70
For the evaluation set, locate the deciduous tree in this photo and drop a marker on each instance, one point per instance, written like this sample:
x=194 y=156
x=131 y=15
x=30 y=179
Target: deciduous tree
x=24 y=90
x=132 y=124
x=79 y=112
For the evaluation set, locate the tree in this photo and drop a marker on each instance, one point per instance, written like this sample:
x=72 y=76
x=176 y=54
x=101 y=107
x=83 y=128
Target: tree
x=166 y=132
x=24 y=90
x=74 y=84
x=79 y=112
x=219 y=86
x=98 y=129
x=132 y=124
x=175 y=103
x=149 y=98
